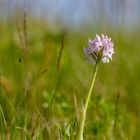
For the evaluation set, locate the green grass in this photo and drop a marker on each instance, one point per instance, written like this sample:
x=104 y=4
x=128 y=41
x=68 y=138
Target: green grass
x=39 y=102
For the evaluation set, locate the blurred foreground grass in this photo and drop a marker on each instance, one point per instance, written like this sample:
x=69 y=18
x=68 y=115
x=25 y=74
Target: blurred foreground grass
x=38 y=100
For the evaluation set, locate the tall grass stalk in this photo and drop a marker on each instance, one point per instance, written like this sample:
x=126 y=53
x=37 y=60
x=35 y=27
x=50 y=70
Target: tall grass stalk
x=2 y=113
x=83 y=117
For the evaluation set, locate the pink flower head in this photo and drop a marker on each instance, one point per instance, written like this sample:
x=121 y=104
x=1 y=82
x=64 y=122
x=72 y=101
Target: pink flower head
x=100 y=48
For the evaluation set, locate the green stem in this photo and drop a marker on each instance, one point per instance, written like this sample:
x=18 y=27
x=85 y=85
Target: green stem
x=83 y=118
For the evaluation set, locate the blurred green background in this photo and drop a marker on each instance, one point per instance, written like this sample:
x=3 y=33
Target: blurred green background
x=45 y=76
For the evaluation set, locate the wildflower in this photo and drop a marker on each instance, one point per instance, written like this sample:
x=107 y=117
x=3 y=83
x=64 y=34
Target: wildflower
x=100 y=49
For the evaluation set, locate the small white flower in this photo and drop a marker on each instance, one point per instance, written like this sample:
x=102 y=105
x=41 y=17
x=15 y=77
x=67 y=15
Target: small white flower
x=100 y=49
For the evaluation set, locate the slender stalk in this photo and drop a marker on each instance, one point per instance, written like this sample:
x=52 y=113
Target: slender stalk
x=83 y=117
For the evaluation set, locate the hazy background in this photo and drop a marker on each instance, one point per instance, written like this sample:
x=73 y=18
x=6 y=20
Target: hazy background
x=77 y=12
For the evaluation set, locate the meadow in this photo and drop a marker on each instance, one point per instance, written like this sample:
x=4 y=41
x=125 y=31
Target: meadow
x=44 y=79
